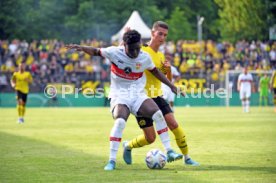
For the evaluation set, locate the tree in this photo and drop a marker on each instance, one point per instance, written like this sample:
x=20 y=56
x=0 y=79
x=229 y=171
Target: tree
x=9 y=19
x=242 y=19
x=205 y=8
x=179 y=27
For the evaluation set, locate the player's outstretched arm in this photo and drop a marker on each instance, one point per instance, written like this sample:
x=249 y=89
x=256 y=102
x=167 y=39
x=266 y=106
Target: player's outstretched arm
x=238 y=85
x=13 y=81
x=253 y=87
x=87 y=49
x=159 y=75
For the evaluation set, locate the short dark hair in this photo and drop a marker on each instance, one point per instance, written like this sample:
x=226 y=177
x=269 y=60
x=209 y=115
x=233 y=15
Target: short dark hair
x=160 y=24
x=132 y=36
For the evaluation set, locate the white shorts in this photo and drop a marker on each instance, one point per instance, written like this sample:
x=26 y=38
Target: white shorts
x=133 y=103
x=245 y=93
x=168 y=94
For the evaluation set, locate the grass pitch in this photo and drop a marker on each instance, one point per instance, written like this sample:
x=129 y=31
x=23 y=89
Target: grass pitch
x=71 y=145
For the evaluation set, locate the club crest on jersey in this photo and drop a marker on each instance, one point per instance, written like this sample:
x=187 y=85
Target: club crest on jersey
x=127 y=70
x=138 y=65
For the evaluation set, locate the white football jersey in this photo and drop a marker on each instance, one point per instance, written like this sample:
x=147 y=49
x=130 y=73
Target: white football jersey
x=245 y=80
x=174 y=73
x=127 y=74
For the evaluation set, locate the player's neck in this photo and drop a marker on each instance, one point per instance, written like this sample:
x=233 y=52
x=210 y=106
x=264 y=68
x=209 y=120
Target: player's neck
x=154 y=46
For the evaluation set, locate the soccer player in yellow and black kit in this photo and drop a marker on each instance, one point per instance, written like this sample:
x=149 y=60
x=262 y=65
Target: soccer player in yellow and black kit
x=20 y=82
x=153 y=87
x=273 y=86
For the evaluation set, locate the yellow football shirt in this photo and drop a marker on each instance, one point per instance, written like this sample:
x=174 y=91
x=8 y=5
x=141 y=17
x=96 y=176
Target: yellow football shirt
x=153 y=85
x=20 y=81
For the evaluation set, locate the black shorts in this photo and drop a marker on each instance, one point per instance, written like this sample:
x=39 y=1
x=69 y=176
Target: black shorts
x=22 y=96
x=274 y=90
x=163 y=106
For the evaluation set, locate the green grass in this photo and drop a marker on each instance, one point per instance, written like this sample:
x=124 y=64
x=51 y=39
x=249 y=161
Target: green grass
x=71 y=145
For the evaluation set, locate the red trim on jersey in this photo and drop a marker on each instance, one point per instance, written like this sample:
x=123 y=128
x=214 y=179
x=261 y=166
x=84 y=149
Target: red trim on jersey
x=121 y=73
x=246 y=80
x=115 y=139
x=162 y=131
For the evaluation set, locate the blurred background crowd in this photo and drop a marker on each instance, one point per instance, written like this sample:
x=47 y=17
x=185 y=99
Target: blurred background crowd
x=49 y=61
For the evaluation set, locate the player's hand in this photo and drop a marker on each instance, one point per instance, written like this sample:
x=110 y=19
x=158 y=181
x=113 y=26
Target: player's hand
x=126 y=29
x=176 y=90
x=167 y=64
x=13 y=85
x=168 y=60
x=74 y=46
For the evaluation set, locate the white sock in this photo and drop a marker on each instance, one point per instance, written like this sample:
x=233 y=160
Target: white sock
x=115 y=137
x=247 y=104
x=186 y=156
x=244 y=106
x=162 y=129
x=172 y=109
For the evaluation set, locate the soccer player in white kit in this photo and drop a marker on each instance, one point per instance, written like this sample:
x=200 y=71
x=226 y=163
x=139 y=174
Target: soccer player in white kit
x=167 y=92
x=127 y=94
x=245 y=85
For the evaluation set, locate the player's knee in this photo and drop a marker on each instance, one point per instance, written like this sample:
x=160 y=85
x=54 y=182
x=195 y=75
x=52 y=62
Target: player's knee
x=171 y=122
x=20 y=102
x=120 y=115
x=172 y=125
x=120 y=111
x=151 y=138
x=153 y=110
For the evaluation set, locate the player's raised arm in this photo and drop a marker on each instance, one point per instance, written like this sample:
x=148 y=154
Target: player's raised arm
x=239 y=84
x=13 y=81
x=253 y=89
x=167 y=67
x=87 y=49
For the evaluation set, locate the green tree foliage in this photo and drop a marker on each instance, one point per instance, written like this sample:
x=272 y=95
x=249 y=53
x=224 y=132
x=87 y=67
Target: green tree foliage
x=75 y=20
x=179 y=27
x=207 y=9
x=10 y=20
x=244 y=19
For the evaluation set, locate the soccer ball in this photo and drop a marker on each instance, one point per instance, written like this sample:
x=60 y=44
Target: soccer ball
x=156 y=159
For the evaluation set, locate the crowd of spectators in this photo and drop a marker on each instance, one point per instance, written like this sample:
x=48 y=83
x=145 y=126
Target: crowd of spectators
x=49 y=62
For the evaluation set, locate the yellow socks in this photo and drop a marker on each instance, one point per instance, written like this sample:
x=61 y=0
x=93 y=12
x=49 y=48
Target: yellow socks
x=23 y=110
x=180 y=140
x=137 y=142
x=20 y=110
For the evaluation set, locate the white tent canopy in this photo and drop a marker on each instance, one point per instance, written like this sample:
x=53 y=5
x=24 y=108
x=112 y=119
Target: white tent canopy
x=134 y=22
